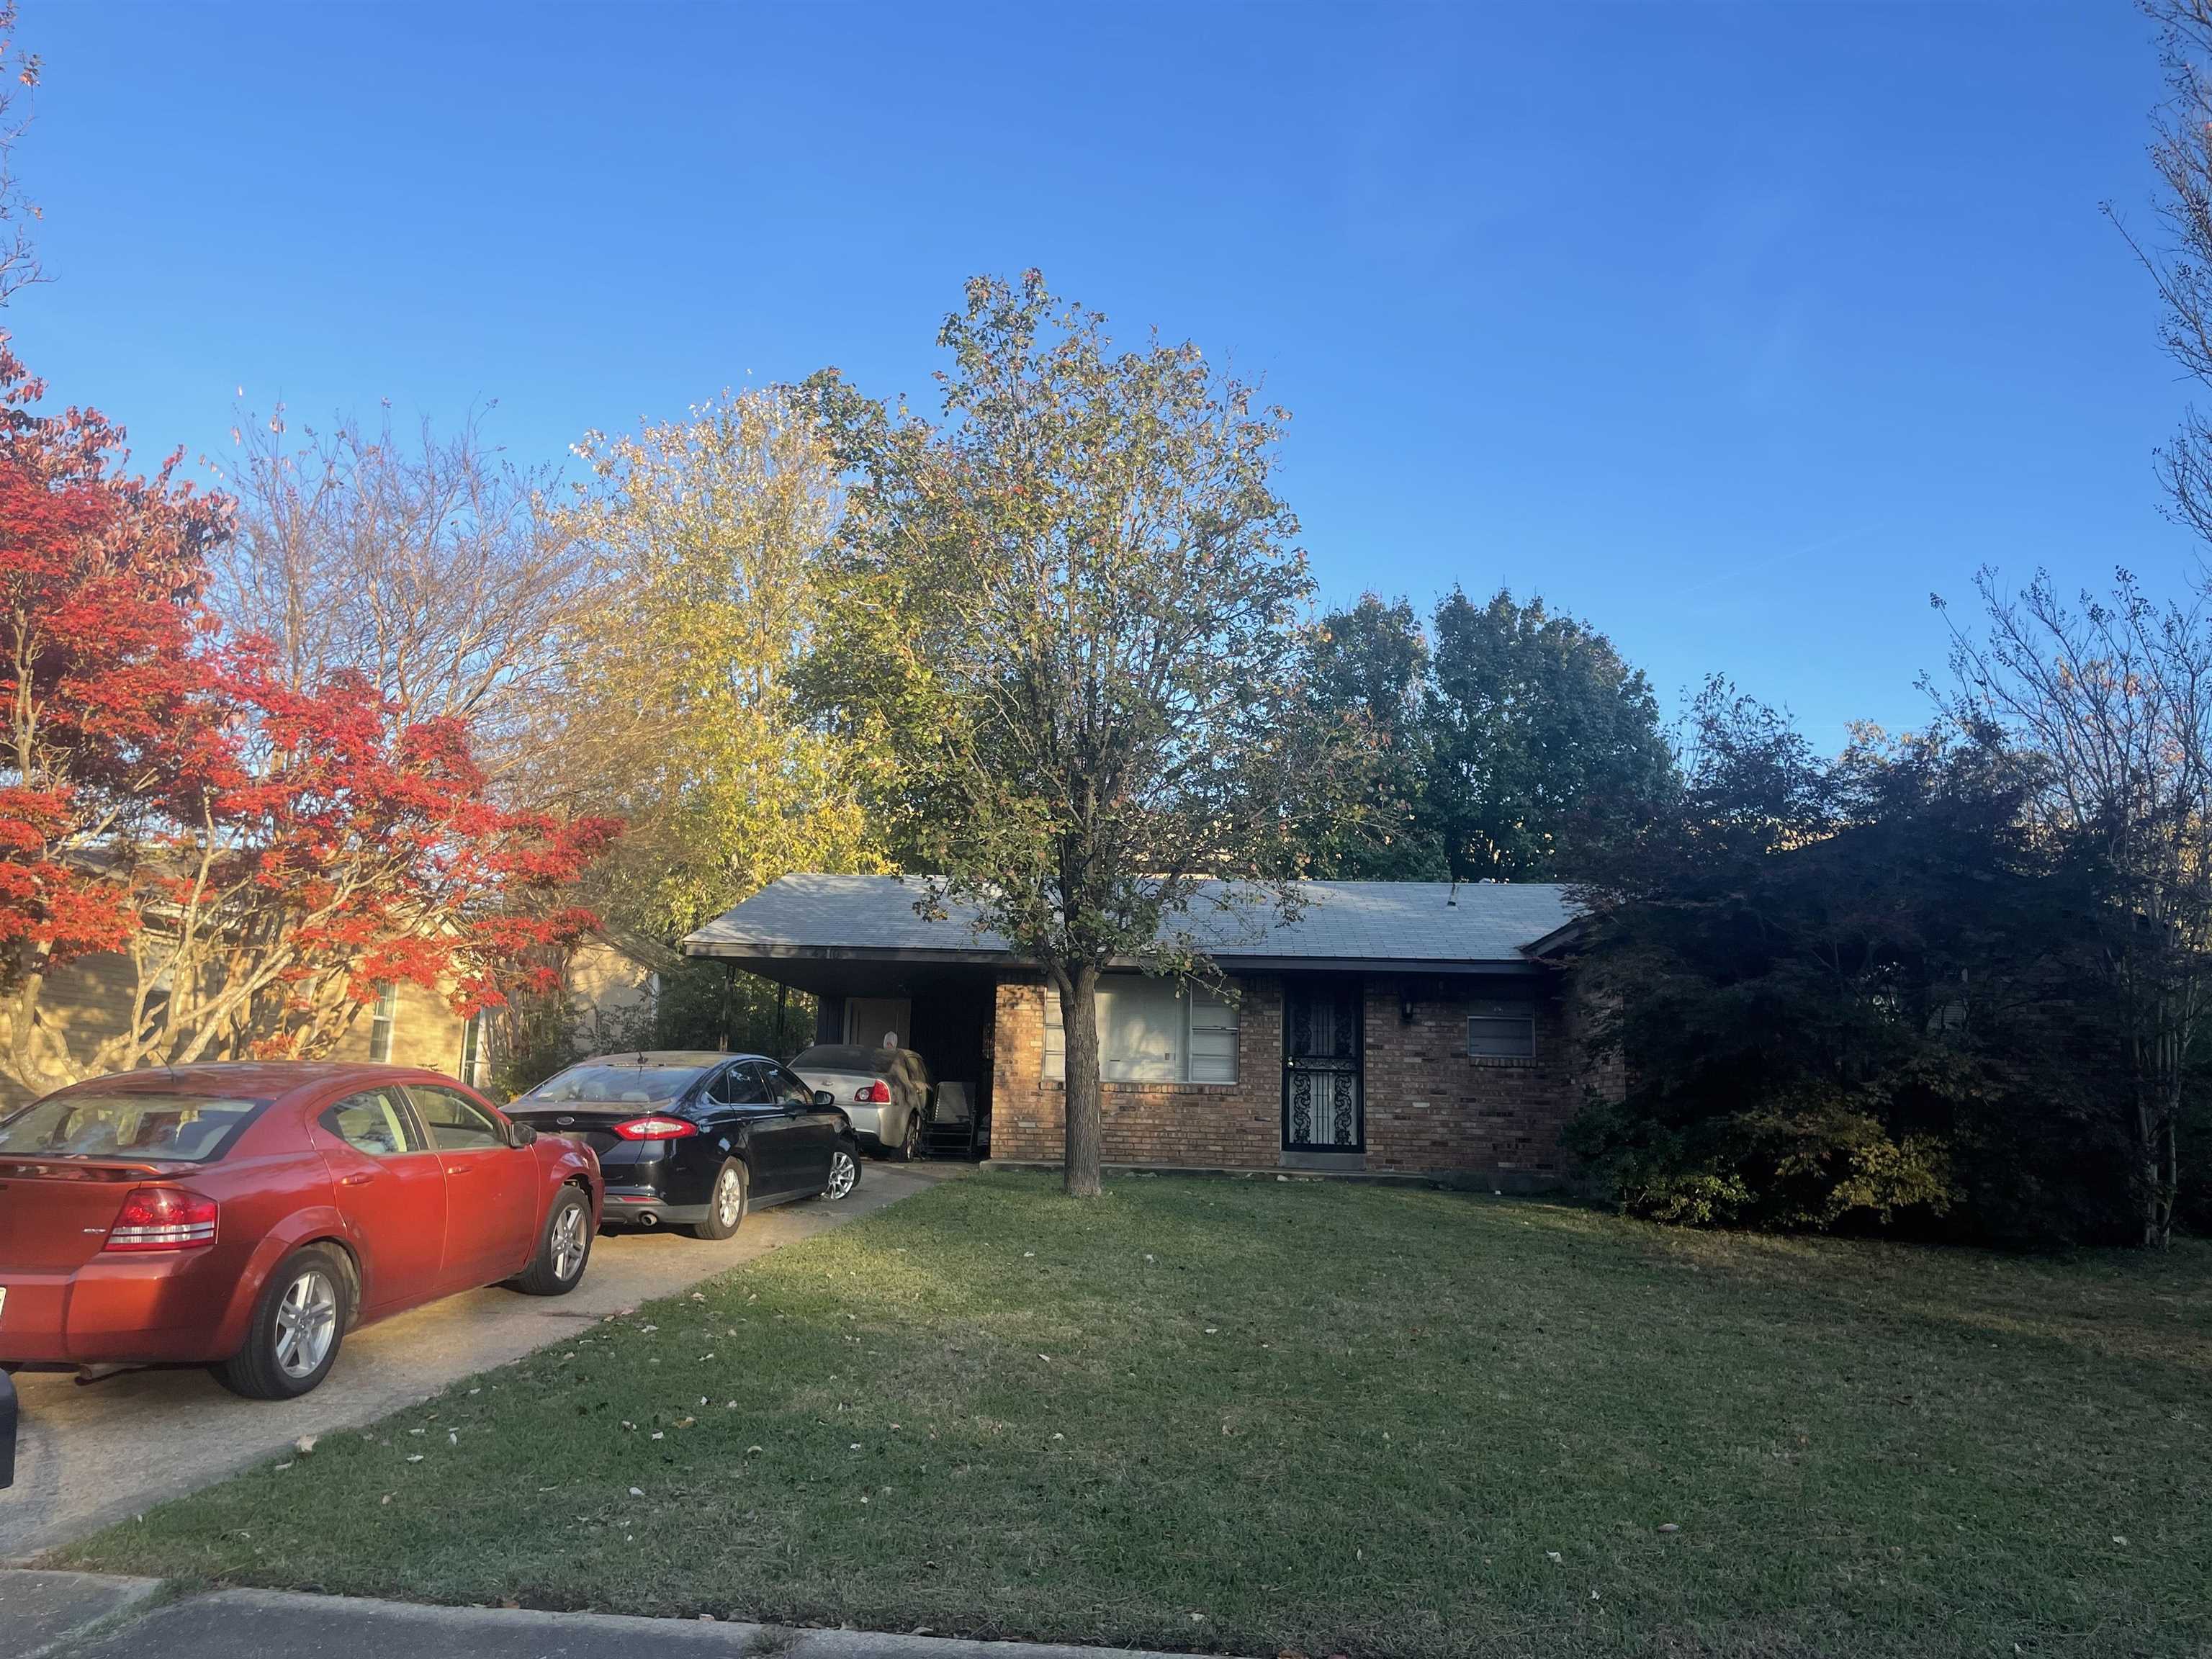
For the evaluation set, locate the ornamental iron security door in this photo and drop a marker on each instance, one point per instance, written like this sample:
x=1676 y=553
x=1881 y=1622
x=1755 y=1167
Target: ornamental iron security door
x=1322 y=1104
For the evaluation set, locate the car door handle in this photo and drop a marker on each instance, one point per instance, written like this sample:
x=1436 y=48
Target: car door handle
x=362 y=1180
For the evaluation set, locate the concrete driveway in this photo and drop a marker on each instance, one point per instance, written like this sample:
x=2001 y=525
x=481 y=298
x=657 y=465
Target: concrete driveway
x=90 y=1456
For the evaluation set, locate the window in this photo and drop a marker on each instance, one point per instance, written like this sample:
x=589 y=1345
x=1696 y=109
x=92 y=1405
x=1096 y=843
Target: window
x=790 y=1091
x=613 y=1082
x=1152 y=1030
x=740 y=1085
x=382 y=1021
x=375 y=1123
x=196 y=1128
x=1502 y=1030
x=457 y=1123
x=471 y=1051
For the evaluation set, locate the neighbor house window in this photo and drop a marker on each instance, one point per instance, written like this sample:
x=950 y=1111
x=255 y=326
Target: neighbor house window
x=471 y=1049
x=1503 y=1030
x=1151 y=1030
x=382 y=1021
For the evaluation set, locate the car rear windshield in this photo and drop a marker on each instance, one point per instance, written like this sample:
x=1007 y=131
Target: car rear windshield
x=847 y=1057
x=190 y=1128
x=630 y=1086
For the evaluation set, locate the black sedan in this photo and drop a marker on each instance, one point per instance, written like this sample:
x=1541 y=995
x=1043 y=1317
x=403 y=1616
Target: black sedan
x=693 y=1140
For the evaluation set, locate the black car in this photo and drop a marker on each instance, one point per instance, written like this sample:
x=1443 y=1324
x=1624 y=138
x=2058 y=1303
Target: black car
x=693 y=1140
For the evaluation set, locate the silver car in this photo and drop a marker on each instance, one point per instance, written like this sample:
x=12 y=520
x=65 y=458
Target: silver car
x=885 y=1093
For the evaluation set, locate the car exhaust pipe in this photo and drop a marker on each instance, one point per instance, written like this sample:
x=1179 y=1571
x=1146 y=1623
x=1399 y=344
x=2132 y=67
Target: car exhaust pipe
x=647 y=1219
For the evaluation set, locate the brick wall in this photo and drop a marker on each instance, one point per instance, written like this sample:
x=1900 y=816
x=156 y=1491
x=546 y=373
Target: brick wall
x=1200 y=1125
x=1431 y=1106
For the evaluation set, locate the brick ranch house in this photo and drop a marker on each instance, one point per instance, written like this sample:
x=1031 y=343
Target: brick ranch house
x=1411 y=1027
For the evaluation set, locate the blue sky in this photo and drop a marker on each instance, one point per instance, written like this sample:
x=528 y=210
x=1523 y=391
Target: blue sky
x=1735 y=330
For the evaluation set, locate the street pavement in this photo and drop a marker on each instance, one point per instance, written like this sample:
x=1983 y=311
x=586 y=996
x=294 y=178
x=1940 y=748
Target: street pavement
x=229 y=1623
x=94 y=1454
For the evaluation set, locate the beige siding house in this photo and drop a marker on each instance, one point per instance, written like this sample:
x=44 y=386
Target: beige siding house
x=89 y=1001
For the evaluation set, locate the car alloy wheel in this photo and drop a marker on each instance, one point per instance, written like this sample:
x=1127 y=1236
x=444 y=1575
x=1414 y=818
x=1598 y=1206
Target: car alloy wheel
x=307 y=1321
x=729 y=1198
x=568 y=1243
x=843 y=1174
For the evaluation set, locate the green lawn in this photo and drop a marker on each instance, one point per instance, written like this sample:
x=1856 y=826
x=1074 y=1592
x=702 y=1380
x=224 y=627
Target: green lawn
x=1252 y=1416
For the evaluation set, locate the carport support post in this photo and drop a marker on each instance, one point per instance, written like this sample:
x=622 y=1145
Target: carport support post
x=782 y=996
x=729 y=1004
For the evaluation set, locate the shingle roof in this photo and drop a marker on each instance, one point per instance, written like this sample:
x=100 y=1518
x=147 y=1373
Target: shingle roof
x=1411 y=922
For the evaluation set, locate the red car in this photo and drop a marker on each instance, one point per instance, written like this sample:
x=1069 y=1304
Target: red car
x=245 y=1217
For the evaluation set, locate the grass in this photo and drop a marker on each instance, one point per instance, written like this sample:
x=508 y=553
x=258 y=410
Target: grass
x=1251 y=1416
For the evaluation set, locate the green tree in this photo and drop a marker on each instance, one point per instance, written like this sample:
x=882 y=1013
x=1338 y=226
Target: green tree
x=1371 y=668
x=684 y=710
x=1080 y=597
x=1853 y=994
x=1543 y=743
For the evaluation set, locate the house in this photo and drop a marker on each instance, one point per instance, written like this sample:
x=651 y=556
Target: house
x=88 y=1000
x=1414 y=1027
x=610 y=985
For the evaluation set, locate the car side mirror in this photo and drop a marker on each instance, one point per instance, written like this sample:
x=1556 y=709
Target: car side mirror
x=522 y=1134
x=823 y=1097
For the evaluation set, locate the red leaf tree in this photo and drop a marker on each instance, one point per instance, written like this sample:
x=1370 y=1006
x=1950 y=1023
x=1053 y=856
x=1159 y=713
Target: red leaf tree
x=263 y=854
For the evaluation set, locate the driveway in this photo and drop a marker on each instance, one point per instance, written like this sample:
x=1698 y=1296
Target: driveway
x=90 y=1456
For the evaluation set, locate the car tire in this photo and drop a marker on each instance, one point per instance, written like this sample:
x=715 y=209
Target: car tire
x=726 y=1202
x=564 y=1248
x=844 y=1172
x=299 y=1321
x=910 y=1142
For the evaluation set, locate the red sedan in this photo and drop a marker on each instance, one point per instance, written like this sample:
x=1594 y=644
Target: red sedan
x=245 y=1217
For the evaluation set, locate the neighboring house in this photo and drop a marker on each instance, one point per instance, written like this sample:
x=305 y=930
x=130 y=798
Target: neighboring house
x=613 y=987
x=88 y=1000
x=1394 y=1026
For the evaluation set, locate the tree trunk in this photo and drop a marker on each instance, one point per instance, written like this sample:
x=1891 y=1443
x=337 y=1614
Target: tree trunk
x=1079 y=1019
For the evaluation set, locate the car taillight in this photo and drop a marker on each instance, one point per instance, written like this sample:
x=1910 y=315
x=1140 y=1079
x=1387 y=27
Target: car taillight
x=655 y=1128
x=877 y=1093
x=162 y=1218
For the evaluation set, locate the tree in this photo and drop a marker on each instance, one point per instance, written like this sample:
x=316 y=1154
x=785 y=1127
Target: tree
x=19 y=259
x=1080 y=597
x=431 y=565
x=1543 y=743
x=100 y=676
x=263 y=852
x=1853 y=994
x=2115 y=697
x=683 y=695
x=1370 y=671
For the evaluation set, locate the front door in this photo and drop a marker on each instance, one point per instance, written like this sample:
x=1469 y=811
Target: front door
x=1322 y=1087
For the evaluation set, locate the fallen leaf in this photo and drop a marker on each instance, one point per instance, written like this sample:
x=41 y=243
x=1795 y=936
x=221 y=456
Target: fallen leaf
x=304 y=1444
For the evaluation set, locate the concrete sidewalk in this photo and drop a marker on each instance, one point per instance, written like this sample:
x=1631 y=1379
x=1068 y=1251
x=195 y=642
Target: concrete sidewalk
x=121 y=1618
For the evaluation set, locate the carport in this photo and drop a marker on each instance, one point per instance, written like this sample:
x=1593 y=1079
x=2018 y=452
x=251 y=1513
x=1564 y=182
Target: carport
x=872 y=970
